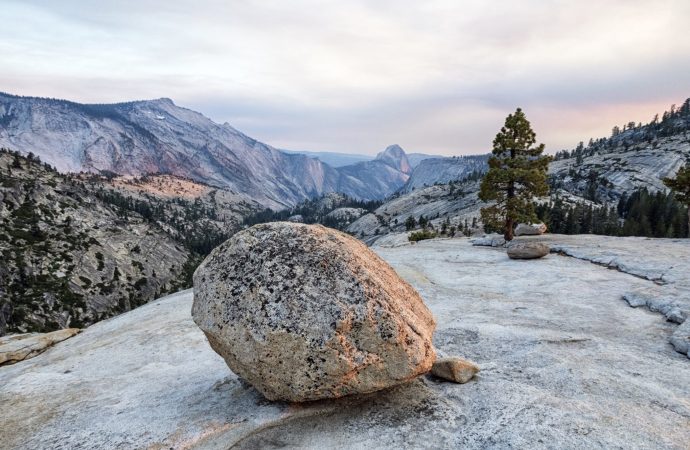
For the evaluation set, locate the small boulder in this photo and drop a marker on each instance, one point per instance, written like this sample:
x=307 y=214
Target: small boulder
x=533 y=229
x=454 y=369
x=528 y=250
x=489 y=240
x=304 y=312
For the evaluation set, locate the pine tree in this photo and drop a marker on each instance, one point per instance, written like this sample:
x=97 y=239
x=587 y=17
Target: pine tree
x=16 y=161
x=410 y=223
x=517 y=173
x=681 y=186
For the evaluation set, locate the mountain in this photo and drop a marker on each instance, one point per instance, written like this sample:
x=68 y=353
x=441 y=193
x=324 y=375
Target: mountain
x=79 y=248
x=634 y=157
x=378 y=178
x=416 y=158
x=156 y=136
x=441 y=170
x=585 y=182
x=333 y=159
x=456 y=203
x=70 y=259
x=332 y=210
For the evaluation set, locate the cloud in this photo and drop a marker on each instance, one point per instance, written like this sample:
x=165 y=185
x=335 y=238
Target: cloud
x=435 y=76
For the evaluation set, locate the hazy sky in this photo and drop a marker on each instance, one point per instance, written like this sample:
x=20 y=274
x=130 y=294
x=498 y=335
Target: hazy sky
x=355 y=76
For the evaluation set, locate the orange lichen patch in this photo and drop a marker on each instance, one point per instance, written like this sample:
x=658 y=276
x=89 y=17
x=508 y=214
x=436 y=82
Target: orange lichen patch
x=162 y=186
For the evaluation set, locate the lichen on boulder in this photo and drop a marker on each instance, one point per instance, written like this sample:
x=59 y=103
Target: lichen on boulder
x=304 y=312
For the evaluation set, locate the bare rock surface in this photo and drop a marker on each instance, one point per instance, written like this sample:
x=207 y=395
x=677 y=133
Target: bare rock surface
x=347 y=215
x=665 y=262
x=558 y=371
x=305 y=312
x=17 y=347
x=457 y=203
x=454 y=369
x=527 y=250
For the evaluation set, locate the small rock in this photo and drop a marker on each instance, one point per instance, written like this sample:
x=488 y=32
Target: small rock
x=533 y=229
x=635 y=299
x=675 y=315
x=304 y=312
x=528 y=250
x=454 y=369
x=18 y=347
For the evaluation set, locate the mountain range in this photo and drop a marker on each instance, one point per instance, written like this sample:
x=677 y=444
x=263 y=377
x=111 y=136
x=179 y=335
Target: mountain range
x=157 y=136
x=163 y=185
x=336 y=159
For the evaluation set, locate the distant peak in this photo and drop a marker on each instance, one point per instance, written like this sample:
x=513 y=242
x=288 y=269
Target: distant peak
x=164 y=100
x=395 y=157
x=394 y=149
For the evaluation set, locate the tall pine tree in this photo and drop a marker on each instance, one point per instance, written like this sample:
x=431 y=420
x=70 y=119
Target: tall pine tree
x=681 y=186
x=517 y=174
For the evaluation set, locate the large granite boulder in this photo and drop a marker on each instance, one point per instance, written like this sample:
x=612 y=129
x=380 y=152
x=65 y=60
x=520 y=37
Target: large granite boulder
x=528 y=250
x=304 y=312
x=530 y=229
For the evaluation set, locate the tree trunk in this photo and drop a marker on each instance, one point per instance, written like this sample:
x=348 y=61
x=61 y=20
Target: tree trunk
x=508 y=231
x=508 y=234
x=689 y=221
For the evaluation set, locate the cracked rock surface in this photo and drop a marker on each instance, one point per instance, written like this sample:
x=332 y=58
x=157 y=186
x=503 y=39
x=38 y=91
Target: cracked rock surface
x=565 y=363
x=17 y=347
x=304 y=312
x=664 y=262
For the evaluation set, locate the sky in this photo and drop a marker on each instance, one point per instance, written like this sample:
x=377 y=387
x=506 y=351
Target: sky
x=434 y=76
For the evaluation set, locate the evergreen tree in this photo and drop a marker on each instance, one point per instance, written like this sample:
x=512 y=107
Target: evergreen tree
x=681 y=186
x=423 y=222
x=16 y=161
x=517 y=173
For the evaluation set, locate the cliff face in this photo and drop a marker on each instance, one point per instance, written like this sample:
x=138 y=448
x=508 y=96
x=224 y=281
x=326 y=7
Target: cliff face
x=157 y=136
x=70 y=259
x=443 y=170
x=622 y=169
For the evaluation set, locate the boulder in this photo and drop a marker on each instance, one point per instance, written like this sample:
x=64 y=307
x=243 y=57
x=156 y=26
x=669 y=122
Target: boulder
x=454 y=369
x=528 y=250
x=18 y=347
x=489 y=240
x=533 y=229
x=304 y=312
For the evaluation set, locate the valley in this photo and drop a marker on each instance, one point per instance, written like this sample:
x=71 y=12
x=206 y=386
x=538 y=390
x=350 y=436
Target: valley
x=344 y=225
x=158 y=137
x=150 y=178
x=79 y=249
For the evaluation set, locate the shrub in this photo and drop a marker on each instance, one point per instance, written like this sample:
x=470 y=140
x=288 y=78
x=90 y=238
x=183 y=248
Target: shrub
x=421 y=235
